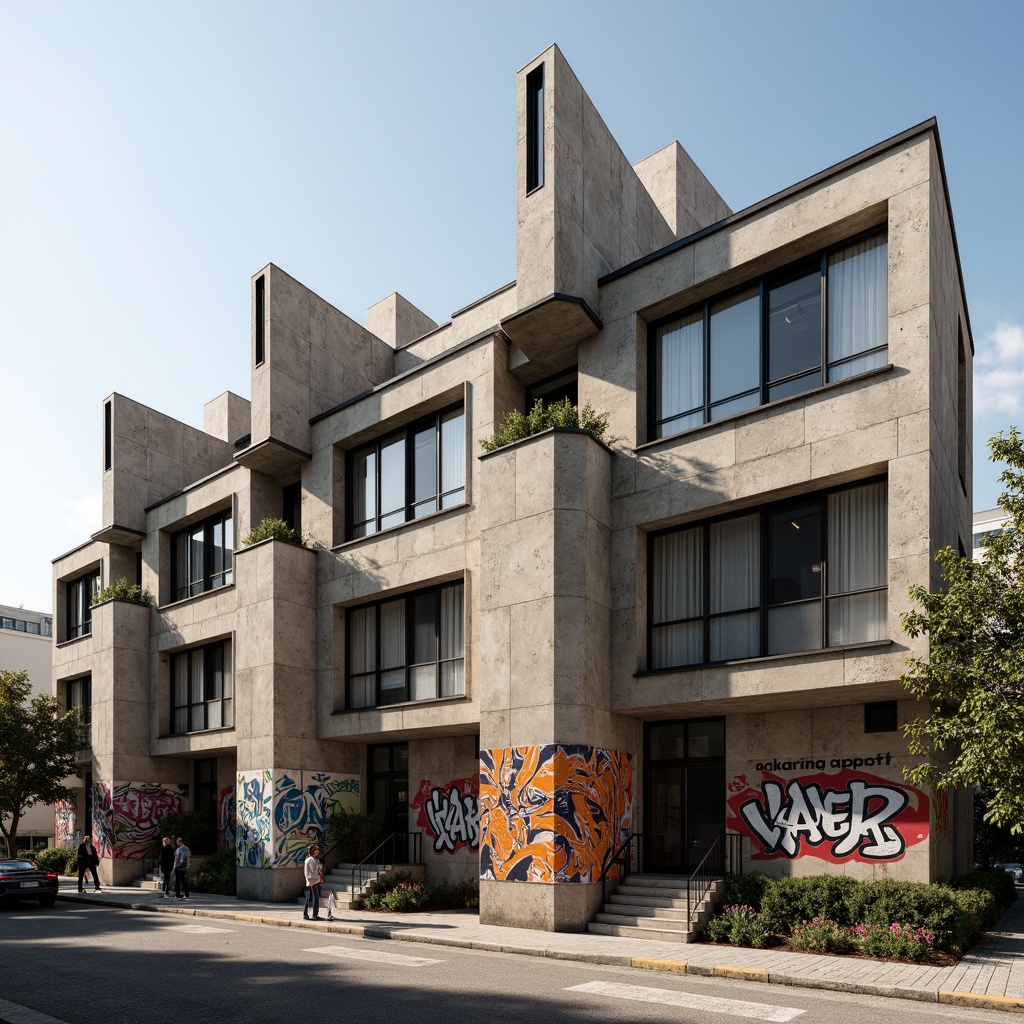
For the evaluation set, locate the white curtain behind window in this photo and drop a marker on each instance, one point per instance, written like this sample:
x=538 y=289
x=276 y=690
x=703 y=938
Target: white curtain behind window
x=677 y=587
x=858 y=305
x=857 y=560
x=453 y=644
x=735 y=587
x=392 y=649
x=681 y=387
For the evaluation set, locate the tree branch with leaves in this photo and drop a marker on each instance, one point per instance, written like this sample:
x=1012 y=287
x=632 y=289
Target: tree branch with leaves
x=973 y=677
x=38 y=749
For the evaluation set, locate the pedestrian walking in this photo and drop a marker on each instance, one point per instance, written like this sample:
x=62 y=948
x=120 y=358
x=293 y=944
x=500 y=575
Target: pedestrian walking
x=88 y=860
x=167 y=864
x=314 y=874
x=182 y=862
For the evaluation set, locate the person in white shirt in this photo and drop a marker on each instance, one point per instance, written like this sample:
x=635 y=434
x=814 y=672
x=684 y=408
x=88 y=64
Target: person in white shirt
x=311 y=869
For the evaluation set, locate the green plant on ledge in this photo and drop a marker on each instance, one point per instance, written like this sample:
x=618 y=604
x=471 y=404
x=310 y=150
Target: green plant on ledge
x=122 y=590
x=516 y=426
x=272 y=528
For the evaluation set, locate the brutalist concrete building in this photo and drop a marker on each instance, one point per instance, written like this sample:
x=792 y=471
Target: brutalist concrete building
x=529 y=655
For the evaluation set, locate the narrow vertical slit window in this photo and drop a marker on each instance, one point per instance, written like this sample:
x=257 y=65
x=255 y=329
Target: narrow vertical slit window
x=107 y=439
x=961 y=411
x=261 y=313
x=535 y=129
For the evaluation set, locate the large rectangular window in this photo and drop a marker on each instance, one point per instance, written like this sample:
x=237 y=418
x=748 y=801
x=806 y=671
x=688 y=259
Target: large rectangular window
x=201 y=556
x=78 y=694
x=79 y=594
x=407 y=648
x=411 y=473
x=202 y=688
x=823 y=319
x=796 y=576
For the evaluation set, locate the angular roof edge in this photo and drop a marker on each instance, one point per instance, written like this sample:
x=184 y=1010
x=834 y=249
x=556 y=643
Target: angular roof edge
x=925 y=127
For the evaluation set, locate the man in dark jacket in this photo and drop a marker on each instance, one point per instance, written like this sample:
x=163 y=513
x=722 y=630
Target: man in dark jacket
x=88 y=860
x=167 y=865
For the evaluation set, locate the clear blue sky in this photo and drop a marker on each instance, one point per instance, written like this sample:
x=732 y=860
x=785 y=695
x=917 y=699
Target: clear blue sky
x=155 y=156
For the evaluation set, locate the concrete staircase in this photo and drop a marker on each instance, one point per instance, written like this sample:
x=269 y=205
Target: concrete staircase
x=654 y=907
x=349 y=896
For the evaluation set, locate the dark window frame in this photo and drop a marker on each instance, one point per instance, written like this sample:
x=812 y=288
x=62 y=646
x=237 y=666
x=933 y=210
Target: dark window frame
x=260 y=316
x=881 y=716
x=202 y=579
x=78 y=694
x=210 y=653
x=764 y=512
x=535 y=129
x=357 y=530
x=762 y=284
x=78 y=595
x=410 y=640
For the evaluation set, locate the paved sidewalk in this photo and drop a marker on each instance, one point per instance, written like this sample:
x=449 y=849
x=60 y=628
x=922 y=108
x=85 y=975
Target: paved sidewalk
x=990 y=976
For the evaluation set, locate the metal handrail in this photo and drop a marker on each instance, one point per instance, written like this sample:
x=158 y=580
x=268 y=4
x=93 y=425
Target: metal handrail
x=625 y=863
x=358 y=870
x=723 y=858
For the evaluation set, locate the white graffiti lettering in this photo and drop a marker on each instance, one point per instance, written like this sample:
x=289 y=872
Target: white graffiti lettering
x=454 y=818
x=857 y=819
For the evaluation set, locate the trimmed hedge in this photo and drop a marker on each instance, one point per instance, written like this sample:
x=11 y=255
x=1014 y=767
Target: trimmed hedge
x=955 y=913
x=62 y=859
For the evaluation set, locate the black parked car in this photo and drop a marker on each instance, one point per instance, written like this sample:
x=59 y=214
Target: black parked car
x=25 y=880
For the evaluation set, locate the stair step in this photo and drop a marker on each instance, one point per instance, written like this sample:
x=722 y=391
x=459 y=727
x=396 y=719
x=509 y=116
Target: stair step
x=629 y=921
x=669 y=903
x=645 y=913
x=662 y=881
x=629 y=932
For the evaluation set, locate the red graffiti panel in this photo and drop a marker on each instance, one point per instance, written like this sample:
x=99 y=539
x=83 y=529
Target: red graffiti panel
x=449 y=814
x=847 y=816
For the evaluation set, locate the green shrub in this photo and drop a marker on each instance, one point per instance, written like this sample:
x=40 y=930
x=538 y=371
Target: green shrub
x=820 y=935
x=895 y=942
x=998 y=882
x=462 y=894
x=790 y=901
x=271 y=527
x=54 y=858
x=747 y=889
x=198 y=831
x=122 y=590
x=217 y=875
x=396 y=892
x=516 y=426
x=357 y=835
x=738 y=925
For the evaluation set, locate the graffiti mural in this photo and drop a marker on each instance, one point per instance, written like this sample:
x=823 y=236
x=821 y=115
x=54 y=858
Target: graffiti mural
x=450 y=814
x=65 y=821
x=253 y=800
x=137 y=809
x=226 y=822
x=850 y=815
x=303 y=802
x=102 y=819
x=552 y=813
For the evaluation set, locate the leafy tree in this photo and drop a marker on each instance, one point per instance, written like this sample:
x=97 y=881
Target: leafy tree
x=38 y=750
x=973 y=677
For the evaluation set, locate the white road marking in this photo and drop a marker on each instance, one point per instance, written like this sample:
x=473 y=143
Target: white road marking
x=196 y=929
x=377 y=955
x=711 y=1004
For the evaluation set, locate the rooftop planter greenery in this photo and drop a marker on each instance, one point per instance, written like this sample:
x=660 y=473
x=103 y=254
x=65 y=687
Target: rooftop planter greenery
x=122 y=590
x=516 y=426
x=272 y=528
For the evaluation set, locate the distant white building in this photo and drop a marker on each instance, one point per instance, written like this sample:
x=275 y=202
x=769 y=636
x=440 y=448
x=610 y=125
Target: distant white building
x=26 y=642
x=986 y=523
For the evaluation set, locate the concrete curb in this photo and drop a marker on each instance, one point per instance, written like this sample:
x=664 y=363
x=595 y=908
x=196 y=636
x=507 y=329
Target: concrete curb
x=733 y=972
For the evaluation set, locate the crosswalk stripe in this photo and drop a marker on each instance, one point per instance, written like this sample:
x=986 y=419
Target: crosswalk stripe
x=711 y=1004
x=376 y=955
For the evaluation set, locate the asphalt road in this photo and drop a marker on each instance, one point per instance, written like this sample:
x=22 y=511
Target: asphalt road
x=95 y=965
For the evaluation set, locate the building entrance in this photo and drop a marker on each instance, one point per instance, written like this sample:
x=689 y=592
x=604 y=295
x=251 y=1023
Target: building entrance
x=684 y=793
x=389 y=786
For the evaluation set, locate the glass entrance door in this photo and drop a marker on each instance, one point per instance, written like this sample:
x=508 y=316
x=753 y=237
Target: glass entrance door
x=389 y=786
x=684 y=794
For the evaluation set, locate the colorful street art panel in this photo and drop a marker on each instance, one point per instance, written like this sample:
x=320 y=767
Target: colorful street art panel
x=254 y=793
x=226 y=819
x=65 y=821
x=138 y=808
x=449 y=814
x=302 y=804
x=103 y=819
x=553 y=813
x=850 y=815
